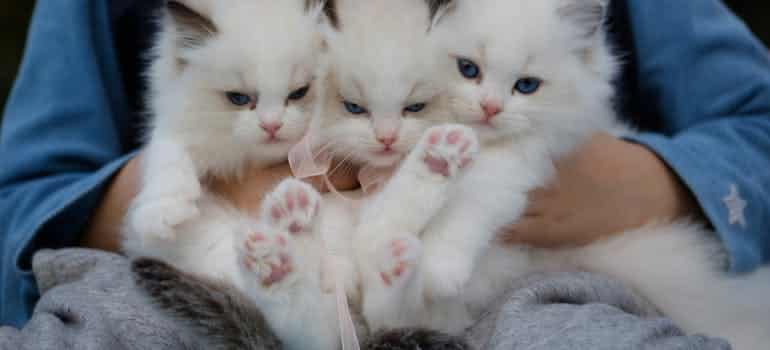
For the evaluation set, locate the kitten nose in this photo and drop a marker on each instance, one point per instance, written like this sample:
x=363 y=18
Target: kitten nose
x=271 y=128
x=491 y=109
x=387 y=140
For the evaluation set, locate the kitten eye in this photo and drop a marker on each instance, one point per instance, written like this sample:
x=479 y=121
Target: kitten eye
x=299 y=93
x=238 y=98
x=468 y=68
x=415 y=108
x=354 y=108
x=528 y=86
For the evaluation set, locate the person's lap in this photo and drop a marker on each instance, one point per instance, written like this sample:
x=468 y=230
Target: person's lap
x=90 y=302
x=578 y=310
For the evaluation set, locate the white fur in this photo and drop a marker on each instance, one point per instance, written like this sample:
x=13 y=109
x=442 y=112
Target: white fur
x=261 y=47
x=382 y=59
x=678 y=267
x=195 y=131
x=439 y=228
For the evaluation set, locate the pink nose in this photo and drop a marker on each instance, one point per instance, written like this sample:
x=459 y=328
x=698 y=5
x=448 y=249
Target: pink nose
x=271 y=128
x=387 y=141
x=491 y=109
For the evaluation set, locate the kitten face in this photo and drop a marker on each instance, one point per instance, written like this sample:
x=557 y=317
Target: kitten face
x=524 y=67
x=384 y=84
x=247 y=70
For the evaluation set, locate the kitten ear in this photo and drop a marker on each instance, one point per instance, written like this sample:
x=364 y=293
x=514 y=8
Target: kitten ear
x=587 y=15
x=438 y=9
x=193 y=28
x=215 y=312
x=327 y=17
x=325 y=10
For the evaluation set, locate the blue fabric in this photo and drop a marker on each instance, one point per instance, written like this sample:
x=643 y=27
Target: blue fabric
x=60 y=141
x=694 y=71
x=704 y=74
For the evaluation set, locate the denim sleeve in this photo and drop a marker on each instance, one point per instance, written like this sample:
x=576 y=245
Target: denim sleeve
x=708 y=78
x=60 y=141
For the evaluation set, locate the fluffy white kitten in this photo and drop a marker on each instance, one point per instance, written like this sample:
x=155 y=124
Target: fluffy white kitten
x=234 y=85
x=533 y=80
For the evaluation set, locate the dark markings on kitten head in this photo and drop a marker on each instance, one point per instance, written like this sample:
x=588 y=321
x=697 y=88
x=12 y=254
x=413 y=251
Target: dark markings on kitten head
x=192 y=27
x=215 y=312
x=588 y=15
x=415 y=338
x=329 y=10
x=436 y=6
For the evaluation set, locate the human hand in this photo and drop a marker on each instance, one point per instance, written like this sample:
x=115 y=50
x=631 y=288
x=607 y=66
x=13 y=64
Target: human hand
x=607 y=186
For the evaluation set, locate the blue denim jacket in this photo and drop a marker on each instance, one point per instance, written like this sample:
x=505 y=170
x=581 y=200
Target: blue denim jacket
x=697 y=81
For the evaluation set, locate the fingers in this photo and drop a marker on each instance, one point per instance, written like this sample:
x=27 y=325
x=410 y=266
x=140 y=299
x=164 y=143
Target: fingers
x=522 y=232
x=539 y=201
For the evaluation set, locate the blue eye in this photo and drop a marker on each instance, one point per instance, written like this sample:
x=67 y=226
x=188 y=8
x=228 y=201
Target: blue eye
x=468 y=68
x=354 y=108
x=415 y=108
x=299 y=93
x=528 y=86
x=238 y=99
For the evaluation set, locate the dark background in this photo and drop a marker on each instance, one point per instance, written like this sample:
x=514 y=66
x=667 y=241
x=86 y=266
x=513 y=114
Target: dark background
x=14 y=16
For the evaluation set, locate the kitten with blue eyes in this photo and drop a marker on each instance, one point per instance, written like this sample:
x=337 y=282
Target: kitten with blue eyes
x=532 y=95
x=225 y=95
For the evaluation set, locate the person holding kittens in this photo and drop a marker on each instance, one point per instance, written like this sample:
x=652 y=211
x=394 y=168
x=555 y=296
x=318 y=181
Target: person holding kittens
x=76 y=193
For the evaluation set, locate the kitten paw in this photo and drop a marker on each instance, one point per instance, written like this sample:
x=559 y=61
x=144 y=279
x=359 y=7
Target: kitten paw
x=158 y=219
x=398 y=260
x=266 y=257
x=448 y=149
x=446 y=276
x=292 y=207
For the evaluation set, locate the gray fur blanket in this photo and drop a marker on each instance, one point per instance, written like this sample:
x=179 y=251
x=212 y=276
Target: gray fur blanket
x=97 y=300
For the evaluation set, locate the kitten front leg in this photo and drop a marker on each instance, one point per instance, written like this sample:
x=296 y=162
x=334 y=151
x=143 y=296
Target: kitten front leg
x=420 y=187
x=454 y=245
x=387 y=257
x=169 y=192
x=447 y=267
x=493 y=194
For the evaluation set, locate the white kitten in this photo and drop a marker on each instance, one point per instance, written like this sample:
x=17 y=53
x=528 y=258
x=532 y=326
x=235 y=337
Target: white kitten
x=386 y=90
x=534 y=82
x=234 y=85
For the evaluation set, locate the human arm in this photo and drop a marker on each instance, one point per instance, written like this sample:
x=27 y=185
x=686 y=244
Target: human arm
x=581 y=205
x=707 y=78
x=60 y=143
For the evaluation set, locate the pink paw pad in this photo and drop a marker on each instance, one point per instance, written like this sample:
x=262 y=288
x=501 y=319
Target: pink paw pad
x=268 y=259
x=292 y=207
x=278 y=271
x=251 y=241
x=400 y=258
x=449 y=149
